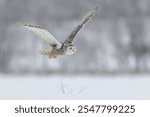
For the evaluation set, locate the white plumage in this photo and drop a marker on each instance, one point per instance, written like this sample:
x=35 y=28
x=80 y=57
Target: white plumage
x=57 y=48
x=43 y=34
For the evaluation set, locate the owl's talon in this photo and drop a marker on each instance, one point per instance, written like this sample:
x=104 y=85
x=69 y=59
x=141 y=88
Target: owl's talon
x=43 y=52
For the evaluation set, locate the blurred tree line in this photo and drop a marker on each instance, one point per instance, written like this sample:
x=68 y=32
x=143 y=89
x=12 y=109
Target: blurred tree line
x=116 y=40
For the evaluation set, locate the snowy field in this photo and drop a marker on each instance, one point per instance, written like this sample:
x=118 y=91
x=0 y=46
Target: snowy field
x=75 y=87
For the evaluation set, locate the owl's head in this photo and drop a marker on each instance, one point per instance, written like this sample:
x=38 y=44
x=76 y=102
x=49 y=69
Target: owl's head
x=71 y=49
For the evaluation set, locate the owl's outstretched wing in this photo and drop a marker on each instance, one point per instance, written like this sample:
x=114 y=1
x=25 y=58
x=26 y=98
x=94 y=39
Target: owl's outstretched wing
x=43 y=34
x=86 y=18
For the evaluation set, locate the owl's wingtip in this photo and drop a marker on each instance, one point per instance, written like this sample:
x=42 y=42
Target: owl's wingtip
x=20 y=24
x=95 y=9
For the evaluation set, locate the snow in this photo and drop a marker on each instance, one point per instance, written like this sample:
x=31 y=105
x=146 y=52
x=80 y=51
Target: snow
x=75 y=87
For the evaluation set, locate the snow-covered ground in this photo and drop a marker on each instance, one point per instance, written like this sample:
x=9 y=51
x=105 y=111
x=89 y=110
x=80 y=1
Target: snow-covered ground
x=75 y=87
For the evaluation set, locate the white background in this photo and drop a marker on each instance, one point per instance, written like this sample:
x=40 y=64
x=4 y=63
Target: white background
x=7 y=108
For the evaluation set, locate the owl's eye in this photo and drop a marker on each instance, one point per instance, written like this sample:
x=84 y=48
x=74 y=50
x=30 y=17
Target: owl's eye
x=71 y=48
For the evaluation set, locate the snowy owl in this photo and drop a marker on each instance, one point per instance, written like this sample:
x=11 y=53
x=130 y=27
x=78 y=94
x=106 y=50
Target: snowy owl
x=57 y=48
